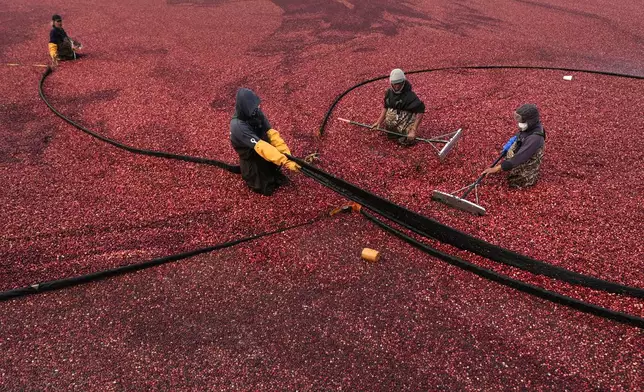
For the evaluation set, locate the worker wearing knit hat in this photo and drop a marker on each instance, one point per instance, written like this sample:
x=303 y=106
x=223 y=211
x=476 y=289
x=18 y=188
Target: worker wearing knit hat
x=61 y=47
x=397 y=76
x=402 y=110
x=524 y=156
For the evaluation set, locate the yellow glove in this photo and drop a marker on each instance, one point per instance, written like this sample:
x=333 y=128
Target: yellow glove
x=271 y=154
x=53 y=50
x=277 y=141
x=290 y=165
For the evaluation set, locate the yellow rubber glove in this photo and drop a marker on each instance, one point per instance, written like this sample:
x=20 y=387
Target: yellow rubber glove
x=277 y=141
x=53 y=50
x=290 y=165
x=271 y=154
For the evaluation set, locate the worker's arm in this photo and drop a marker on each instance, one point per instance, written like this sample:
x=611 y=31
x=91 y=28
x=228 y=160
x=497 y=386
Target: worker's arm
x=277 y=141
x=528 y=148
x=272 y=154
x=53 y=53
x=412 y=130
x=378 y=123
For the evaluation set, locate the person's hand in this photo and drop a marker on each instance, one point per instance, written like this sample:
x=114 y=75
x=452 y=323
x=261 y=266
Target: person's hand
x=411 y=135
x=290 y=165
x=54 y=62
x=491 y=170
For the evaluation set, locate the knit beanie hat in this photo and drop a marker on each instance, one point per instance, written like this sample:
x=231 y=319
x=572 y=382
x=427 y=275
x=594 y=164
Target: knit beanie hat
x=397 y=76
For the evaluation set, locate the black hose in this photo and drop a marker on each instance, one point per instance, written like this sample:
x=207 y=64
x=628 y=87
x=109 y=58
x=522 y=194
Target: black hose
x=513 y=283
x=160 y=154
x=430 y=228
x=339 y=97
x=77 y=280
x=464 y=241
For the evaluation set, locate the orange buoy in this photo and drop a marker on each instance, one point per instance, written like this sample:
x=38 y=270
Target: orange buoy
x=370 y=254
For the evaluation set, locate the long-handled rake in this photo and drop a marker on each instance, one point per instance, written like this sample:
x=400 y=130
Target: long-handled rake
x=448 y=140
x=460 y=202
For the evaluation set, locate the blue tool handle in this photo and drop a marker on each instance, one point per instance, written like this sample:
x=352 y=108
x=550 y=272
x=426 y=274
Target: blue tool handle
x=507 y=145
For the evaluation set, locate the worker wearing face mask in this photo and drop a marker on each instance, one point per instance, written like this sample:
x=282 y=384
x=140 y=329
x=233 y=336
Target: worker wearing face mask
x=403 y=110
x=523 y=158
x=261 y=149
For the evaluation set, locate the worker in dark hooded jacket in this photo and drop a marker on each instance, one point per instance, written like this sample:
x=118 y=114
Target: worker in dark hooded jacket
x=523 y=159
x=61 y=47
x=403 y=110
x=261 y=149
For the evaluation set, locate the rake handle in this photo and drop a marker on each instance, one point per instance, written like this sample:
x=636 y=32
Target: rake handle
x=478 y=180
x=393 y=133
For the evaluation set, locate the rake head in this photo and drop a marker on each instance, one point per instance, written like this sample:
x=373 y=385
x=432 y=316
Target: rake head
x=450 y=144
x=457 y=202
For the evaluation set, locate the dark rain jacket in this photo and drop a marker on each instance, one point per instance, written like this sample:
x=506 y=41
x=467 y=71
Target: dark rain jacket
x=57 y=36
x=406 y=100
x=247 y=127
x=528 y=141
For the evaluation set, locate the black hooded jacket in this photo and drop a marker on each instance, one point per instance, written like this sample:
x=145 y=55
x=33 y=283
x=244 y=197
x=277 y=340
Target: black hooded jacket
x=248 y=124
x=528 y=141
x=406 y=100
x=247 y=127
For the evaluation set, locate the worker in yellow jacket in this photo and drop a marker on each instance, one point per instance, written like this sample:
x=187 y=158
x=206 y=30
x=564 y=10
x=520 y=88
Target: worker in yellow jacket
x=261 y=149
x=61 y=47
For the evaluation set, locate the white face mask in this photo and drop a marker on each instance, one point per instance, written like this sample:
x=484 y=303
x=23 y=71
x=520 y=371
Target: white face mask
x=523 y=126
